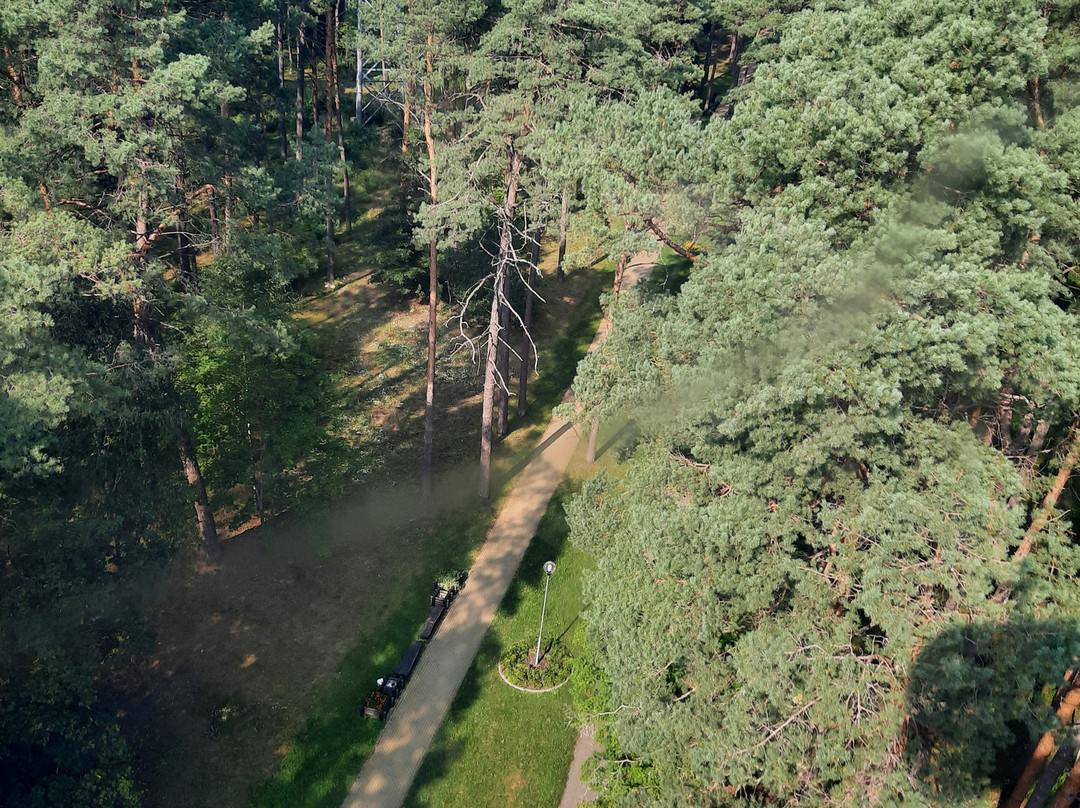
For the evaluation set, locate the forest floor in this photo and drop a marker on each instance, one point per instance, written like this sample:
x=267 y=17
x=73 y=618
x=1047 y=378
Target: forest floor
x=260 y=655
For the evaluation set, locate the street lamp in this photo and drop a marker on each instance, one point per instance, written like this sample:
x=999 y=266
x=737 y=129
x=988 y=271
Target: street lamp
x=549 y=567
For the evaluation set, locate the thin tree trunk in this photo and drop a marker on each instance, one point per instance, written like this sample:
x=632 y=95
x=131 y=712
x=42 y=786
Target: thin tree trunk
x=706 y=79
x=185 y=253
x=345 y=192
x=564 y=216
x=502 y=267
x=226 y=182
x=215 y=224
x=189 y=267
x=433 y=277
x=530 y=295
x=620 y=270
x=256 y=475
x=1036 y=104
x=1038 y=524
x=487 y=407
x=148 y=329
x=330 y=247
x=590 y=450
x=313 y=53
x=429 y=390
x=300 y=56
x=678 y=249
x=328 y=68
x=358 y=115
x=205 y=517
x=406 y=117
x=503 y=361
x=279 y=99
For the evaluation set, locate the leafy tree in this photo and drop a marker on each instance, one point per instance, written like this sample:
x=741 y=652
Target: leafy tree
x=263 y=408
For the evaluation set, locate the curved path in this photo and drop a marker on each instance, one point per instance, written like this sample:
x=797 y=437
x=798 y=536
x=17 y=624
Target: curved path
x=387 y=775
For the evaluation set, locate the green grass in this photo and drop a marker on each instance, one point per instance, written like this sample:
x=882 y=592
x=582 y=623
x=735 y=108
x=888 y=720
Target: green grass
x=499 y=746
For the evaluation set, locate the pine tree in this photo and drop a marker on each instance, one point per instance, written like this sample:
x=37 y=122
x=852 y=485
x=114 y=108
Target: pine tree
x=814 y=585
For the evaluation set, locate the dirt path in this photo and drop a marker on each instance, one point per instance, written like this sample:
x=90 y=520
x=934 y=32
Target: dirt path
x=387 y=775
x=577 y=793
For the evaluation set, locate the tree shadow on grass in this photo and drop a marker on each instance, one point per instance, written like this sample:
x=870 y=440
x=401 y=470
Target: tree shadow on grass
x=445 y=751
x=979 y=695
x=546 y=545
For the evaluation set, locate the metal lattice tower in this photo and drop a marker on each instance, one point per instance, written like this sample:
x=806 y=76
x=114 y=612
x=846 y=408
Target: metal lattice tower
x=375 y=21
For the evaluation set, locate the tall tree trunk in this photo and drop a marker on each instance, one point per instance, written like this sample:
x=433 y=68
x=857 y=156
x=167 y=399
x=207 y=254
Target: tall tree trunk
x=433 y=276
x=215 y=224
x=256 y=474
x=300 y=58
x=502 y=266
x=345 y=192
x=1036 y=103
x=185 y=253
x=620 y=269
x=313 y=53
x=205 y=517
x=328 y=69
x=737 y=42
x=429 y=389
x=406 y=116
x=487 y=407
x=502 y=426
x=329 y=247
x=590 y=450
x=358 y=115
x=148 y=329
x=706 y=78
x=279 y=97
x=564 y=216
x=530 y=295
x=227 y=202
x=1038 y=524
x=189 y=267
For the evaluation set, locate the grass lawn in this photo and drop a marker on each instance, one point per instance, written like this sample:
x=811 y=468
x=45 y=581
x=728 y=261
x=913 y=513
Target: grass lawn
x=499 y=746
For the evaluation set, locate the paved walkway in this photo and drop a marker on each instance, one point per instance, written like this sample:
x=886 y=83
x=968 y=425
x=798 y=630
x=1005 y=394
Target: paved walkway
x=387 y=775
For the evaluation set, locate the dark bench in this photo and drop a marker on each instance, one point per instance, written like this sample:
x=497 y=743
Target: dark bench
x=408 y=660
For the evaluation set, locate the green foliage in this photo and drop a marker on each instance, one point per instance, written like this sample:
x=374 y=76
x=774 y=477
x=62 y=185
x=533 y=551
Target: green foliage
x=263 y=415
x=837 y=416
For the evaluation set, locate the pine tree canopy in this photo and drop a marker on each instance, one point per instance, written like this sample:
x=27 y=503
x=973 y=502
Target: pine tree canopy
x=812 y=584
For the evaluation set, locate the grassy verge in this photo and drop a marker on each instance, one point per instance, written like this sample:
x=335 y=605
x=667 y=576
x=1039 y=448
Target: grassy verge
x=499 y=746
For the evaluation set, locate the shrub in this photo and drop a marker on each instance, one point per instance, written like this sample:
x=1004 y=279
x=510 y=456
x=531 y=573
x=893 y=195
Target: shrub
x=554 y=669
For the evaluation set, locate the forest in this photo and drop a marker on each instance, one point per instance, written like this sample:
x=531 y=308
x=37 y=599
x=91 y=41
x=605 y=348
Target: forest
x=834 y=565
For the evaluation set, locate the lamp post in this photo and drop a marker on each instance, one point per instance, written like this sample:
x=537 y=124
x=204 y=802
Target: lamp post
x=549 y=567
